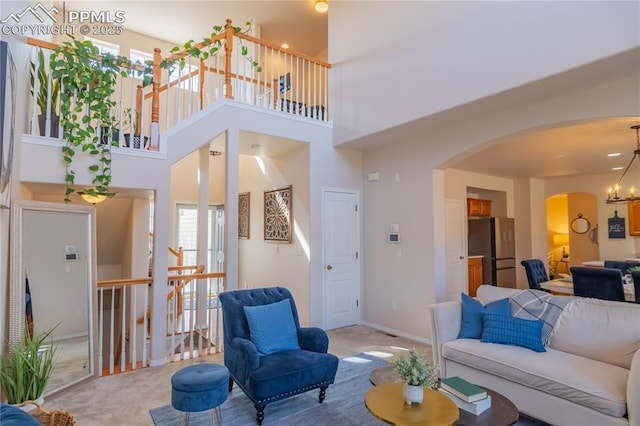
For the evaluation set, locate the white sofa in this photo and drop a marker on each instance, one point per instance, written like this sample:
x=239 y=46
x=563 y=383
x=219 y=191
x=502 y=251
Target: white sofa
x=588 y=376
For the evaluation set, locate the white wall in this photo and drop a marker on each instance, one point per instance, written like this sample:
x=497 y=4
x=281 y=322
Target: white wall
x=413 y=59
x=415 y=201
x=263 y=263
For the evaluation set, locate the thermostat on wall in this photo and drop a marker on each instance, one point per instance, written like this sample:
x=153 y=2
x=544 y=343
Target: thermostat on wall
x=70 y=253
x=394 y=237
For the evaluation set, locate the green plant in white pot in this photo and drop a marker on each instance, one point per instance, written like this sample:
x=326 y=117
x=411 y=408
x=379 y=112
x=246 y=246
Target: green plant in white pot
x=415 y=371
x=26 y=366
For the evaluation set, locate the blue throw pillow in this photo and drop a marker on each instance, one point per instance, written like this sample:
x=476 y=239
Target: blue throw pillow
x=271 y=327
x=515 y=331
x=472 y=311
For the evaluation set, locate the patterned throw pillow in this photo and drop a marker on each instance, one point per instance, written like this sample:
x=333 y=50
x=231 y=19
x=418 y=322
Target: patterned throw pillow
x=510 y=330
x=472 y=311
x=271 y=327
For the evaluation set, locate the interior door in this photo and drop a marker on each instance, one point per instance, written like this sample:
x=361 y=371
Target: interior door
x=341 y=268
x=455 y=246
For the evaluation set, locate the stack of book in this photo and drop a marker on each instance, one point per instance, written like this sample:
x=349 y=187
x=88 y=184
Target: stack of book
x=467 y=396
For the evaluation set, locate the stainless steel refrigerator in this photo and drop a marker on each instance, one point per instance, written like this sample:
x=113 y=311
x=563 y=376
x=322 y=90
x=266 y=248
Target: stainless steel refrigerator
x=494 y=238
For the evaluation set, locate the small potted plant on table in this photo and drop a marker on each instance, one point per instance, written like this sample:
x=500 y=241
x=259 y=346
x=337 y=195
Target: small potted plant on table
x=415 y=371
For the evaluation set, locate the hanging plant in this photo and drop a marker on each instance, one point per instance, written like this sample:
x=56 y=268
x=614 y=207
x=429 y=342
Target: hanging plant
x=87 y=82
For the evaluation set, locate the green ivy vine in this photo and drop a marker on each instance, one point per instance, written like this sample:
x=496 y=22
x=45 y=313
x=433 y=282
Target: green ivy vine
x=87 y=81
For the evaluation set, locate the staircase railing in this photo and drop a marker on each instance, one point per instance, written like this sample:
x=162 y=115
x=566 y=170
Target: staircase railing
x=288 y=82
x=193 y=328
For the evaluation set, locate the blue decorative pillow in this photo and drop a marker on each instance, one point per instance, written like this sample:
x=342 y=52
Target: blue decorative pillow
x=472 y=311
x=515 y=331
x=271 y=327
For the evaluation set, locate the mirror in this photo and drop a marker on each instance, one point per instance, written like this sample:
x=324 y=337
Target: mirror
x=580 y=225
x=593 y=235
x=53 y=259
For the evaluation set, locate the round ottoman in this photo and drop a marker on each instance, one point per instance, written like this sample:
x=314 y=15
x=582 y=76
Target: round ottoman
x=200 y=387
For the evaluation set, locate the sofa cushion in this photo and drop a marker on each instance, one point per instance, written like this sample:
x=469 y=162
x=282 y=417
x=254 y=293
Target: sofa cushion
x=594 y=384
x=487 y=293
x=472 y=311
x=510 y=330
x=272 y=327
x=599 y=329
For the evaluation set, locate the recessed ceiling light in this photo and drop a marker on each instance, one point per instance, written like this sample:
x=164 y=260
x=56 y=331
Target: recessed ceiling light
x=284 y=45
x=613 y=154
x=618 y=168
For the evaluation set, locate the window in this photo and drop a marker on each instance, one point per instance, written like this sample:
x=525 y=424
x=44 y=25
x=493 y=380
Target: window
x=141 y=58
x=105 y=47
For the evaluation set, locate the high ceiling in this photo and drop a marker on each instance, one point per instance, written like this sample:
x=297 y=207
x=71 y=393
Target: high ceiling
x=578 y=149
x=293 y=22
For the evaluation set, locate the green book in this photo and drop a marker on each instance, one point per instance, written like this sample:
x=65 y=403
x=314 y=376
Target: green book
x=462 y=389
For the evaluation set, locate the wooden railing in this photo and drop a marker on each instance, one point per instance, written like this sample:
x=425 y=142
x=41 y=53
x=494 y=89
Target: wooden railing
x=288 y=82
x=124 y=318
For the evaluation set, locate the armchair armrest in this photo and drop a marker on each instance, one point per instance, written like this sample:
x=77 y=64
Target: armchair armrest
x=313 y=339
x=446 y=319
x=241 y=357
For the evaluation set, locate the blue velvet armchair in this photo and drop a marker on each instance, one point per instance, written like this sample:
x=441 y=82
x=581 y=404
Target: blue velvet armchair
x=266 y=378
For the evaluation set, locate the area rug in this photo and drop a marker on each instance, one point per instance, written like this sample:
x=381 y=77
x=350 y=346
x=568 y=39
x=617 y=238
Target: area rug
x=344 y=404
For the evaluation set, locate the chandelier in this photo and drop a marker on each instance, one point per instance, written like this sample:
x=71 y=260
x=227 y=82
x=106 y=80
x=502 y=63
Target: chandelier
x=612 y=196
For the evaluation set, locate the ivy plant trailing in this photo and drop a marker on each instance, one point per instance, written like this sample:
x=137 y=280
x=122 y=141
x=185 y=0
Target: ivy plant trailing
x=204 y=49
x=87 y=81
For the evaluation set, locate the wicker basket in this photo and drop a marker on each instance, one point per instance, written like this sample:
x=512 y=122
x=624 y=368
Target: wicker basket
x=50 y=418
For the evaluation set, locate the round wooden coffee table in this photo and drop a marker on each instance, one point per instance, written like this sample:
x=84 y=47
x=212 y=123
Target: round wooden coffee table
x=387 y=403
x=502 y=412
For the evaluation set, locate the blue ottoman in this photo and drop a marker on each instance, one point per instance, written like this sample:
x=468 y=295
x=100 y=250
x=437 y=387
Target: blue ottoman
x=200 y=387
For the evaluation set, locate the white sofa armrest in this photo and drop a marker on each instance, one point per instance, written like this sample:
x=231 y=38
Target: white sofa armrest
x=633 y=391
x=446 y=318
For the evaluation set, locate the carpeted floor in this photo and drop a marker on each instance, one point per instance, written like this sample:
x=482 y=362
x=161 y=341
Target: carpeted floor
x=344 y=404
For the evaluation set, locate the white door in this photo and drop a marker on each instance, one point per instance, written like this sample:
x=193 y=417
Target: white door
x=341 y=267
x=457 y=268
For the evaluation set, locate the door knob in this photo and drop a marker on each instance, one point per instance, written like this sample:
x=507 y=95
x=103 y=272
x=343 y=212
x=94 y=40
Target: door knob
x=329 y=267
x=461 y=257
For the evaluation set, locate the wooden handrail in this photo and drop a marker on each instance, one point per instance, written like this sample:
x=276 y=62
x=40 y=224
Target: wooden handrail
x=124 y=282
x=280 y=49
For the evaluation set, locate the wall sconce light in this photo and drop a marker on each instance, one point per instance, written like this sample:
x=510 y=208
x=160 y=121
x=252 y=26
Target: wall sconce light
x=92 y=197
x=321 y=6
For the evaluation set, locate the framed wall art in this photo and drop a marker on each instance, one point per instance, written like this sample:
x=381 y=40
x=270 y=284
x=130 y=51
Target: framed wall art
x=244 y=211
x=278 y=214
x=7 y=121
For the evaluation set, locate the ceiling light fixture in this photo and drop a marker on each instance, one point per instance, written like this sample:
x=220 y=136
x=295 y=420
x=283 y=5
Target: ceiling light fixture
x=92 y=197
x=612 y=196
x=322 y=6
x=284 y=45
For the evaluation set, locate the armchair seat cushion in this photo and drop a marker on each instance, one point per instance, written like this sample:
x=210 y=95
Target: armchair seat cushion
x=288 y=373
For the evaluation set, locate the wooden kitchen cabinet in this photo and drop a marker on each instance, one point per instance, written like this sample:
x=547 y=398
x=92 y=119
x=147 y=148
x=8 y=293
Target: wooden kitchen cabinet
x=478 y=207
x=475 y=274
x=633 y=210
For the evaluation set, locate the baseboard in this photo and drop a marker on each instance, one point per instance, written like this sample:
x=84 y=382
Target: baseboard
x=397 y=332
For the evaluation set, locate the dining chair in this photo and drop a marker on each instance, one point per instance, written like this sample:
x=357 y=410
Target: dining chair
x=623 y=265
x=599 y=283
x=536 y=273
